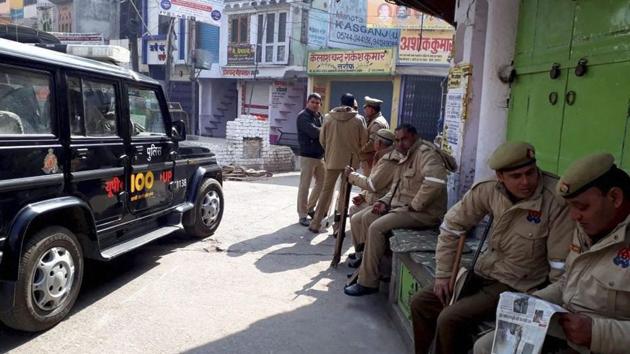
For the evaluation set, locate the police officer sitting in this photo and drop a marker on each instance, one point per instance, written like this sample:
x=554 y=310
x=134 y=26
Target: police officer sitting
x=595 y=288
x=528 y=243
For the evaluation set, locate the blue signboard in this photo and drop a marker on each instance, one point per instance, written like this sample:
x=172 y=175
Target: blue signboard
x=348 y=28
x=318 y=29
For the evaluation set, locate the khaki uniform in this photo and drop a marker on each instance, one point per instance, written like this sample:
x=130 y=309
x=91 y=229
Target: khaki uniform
x=597 y=284
x=375 y=186
x=379 y=181
x=527 y=243
x=342 y=136
x=417 y=198
x=528 y=240
x=367 y=151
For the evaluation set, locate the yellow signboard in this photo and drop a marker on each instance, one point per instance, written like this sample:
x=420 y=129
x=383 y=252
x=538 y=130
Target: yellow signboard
x=381 y=14
x=352 y=62
x=427 y=47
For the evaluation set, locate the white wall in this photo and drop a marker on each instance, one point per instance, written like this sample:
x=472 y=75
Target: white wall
x=500 y=43
x=471 y=17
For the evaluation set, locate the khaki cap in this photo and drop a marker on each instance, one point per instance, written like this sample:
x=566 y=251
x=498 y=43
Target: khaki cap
x=583 y=172
x=512 y=155
x=369 y=101
x=386 y=134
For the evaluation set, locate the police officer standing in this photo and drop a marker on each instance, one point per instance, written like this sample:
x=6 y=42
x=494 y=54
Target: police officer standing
x=342 y=136
x=595 y=288
x=375 y=122
x=309 y=123
x=527 y=244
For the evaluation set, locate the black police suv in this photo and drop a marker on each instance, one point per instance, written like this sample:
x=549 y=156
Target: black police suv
x=91 y=166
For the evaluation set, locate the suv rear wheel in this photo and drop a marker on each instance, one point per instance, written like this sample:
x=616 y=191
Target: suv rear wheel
x=50 y=276
x=207 y=212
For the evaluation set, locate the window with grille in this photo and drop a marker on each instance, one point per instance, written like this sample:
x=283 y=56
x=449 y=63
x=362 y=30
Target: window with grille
x=239 y=29
x=272 y=38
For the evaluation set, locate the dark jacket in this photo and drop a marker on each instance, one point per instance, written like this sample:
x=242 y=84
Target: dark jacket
x=308 y=125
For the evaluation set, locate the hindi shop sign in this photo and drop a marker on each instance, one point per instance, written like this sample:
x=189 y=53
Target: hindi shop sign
x=354 y=62
x=241 y=54
x=208 y=11
x=157 y=52
x=238 y=73
x=426 y=47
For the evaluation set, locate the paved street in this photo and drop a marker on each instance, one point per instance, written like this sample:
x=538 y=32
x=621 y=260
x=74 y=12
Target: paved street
x=261 y=284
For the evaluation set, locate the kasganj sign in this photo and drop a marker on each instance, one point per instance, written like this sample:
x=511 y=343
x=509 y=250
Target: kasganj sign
x=208 y=11
x=425 y=47
x=352 y=62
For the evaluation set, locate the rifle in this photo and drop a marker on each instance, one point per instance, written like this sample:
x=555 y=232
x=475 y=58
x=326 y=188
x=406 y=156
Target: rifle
x=340 y=233
x=469 y=272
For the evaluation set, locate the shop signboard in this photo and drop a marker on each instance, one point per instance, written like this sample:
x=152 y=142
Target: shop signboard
x=241 y=54
x=381 y=14
x=157 y=52
x=352 y=62
x=208 y=11
x=237 y=73
x=79 y=38
x=425 y=47
x=318 y=29
x=348 y=28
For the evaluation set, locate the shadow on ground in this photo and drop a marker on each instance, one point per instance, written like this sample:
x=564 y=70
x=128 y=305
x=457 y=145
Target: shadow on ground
x=289 y=241
x=103 y=278
x=361 y=317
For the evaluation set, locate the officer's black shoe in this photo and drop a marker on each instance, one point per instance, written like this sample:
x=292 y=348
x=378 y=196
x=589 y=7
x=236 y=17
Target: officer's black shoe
x=354 y=263
x=304 y=222
x=352 y=256
x=359 y=290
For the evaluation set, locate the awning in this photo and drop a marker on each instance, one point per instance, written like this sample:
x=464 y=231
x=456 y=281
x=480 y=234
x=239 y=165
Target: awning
x=444 y=9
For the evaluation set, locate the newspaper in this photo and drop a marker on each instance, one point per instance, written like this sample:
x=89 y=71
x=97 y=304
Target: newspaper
x=522 y=323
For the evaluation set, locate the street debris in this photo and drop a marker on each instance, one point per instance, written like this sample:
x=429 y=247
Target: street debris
x=239 y=173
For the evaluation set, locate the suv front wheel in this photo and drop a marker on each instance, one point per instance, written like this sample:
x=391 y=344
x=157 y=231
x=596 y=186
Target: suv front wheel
x=49 y=279
x=205 y=217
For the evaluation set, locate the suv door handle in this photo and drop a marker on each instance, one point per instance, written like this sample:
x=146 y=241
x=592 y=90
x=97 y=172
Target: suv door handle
x=82 y=153
x=124 y=159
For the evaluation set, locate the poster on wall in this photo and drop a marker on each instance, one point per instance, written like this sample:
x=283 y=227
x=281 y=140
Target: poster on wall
x=344 y=62
x=381 y=14
x=425 y=47
x=455 y=114
x=208 y=11
x=348 y=28
x=286 y=102
x=318 y=29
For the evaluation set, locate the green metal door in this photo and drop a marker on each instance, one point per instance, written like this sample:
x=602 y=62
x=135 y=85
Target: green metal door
x=591 y=114
x=596 y=112
x=535 y=115
x=544 y=33
x=601 y=31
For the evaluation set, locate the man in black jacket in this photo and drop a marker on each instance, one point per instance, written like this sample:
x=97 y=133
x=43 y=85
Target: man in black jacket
x=309 y=122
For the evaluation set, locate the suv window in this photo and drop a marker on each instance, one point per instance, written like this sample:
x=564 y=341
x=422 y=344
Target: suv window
x=145 y=113
x=92 y=107
x=24 y=102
